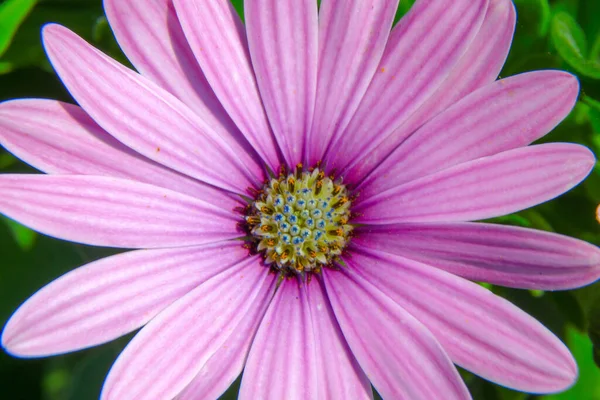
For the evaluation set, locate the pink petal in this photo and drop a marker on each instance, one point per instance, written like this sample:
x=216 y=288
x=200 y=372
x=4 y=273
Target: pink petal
x=482 y=61
x=342 y=377
x=498 y=254
x=170 y=351
x=484 y=188
x=149 y=33
x=481 y=332
x=422 y=51
x=227 y=363
x=352 y=38
x=282 y=36
x=283 y=363
x=400 y=356
x=217 y=38
x=108 y=298
x=60 y=138
x=478 y=67
x=145 y=117
x=507 y=114
x=112 y=212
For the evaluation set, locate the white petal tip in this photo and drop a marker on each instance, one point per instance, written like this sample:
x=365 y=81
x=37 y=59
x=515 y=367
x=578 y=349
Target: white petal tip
x=53 y=36
x=561 y=378
x=585 y=162
x=13 y=344
x=570 y=83
x=560 y=384
x=52 y=29
x=10 y=343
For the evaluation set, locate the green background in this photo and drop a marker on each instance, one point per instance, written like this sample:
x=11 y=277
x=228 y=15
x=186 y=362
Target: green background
x=562 y=34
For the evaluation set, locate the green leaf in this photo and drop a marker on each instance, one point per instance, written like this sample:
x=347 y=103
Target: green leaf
x=588 y=18
x=595 y=104
x=508 y=394
x=532 y=62
x=403 y=8
x=588 y=384
x=570 y=42
x=595 y=121
x=595 y=52
x=534 y=16
x=55 y=382
x=537 y=220
x=594 y=329
x=26 y=49
x=589 y=299
x=568 y=6
x=5 y=67
x=239 y=7
x=12 y=15
x=511 y=219
x=24 y=237
x=6 y=160
x=571 y=308
x=88 y=376
x=594 y=115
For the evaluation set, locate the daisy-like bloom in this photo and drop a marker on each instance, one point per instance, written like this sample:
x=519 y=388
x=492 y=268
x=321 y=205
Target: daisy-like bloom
x=301 y=190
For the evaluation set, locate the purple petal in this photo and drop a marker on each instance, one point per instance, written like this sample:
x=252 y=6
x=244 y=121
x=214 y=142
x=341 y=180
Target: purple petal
x=484 y=188
x=283 y=362
x=481 y=332
x=282 y=36
x=482 y=62
x=502 y=255
x=478 y=66
x=227 y=363
x=507 y=114
x=174 y=347
x=112 y=212
x=109 y=298
x=341 y=375
x=150 y=35
x=217 y=38
x=422 y=51
x=352 y=38
x=145 y=117
x=401 y=357
x=60 y=138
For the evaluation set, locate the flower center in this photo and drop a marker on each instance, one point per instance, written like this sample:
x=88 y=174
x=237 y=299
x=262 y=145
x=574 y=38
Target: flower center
x=299 y=221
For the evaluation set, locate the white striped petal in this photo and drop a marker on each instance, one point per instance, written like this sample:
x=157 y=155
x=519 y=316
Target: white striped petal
x=111 y=297
x=483 y=188
x=60 y=138
x=283 y=42
x=479 y=66
x=149 y=33
x=352 y=38
x=147 y=118
x=113 y=212
x=481 y=332
x=172 y=349
x=507 y=114
x=422 y=50
x=399 y=355
x=216 y=35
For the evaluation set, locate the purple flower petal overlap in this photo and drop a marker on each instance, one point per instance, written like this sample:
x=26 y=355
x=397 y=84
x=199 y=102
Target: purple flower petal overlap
x=299 y=193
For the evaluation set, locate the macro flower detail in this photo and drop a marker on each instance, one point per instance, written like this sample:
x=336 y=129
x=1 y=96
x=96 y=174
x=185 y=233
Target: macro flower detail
x=300 y=193
x=301 y=221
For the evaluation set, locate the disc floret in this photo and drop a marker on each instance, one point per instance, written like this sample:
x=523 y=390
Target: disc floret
x=300 y=220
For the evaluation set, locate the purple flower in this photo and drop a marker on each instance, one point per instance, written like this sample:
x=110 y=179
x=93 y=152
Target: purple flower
x=300 y=189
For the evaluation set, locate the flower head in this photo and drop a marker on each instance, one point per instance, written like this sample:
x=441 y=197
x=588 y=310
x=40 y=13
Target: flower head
x=301 y=190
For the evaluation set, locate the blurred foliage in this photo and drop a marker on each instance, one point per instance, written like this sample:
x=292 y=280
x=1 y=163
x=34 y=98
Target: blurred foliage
x=562 y=34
